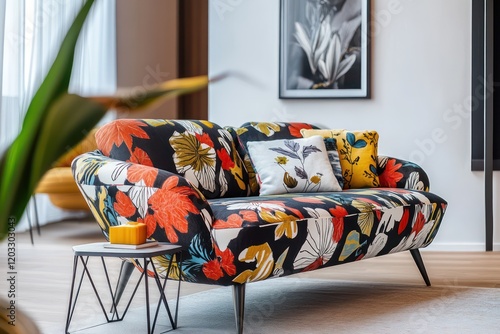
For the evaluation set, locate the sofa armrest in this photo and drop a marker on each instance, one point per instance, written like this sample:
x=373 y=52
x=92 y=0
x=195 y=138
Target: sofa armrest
x=118 y=192
x=398 y=173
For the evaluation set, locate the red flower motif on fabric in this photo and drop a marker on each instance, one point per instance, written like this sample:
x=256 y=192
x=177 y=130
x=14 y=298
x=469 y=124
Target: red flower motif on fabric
x=212 y=270
x=119 y=132
x=205 y=139
x=236 y=220
x=419 y=223
x=171 y=206
x=360 y=257
x=140 y=157
x=390 y=176
x=315 y=265
x=136 y=173
x=296 y=212
x=311 y=200
x=224 y=262
x=233 y=221
x=226 y=259
x=124 y=205
x=338 y=222
x=139 y=267
x=404 y=221
x=249 y=216
x=150 y=222
x=227 y=162
x=295 y=128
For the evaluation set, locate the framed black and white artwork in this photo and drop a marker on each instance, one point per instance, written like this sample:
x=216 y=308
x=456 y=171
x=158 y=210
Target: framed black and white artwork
x=324 y=49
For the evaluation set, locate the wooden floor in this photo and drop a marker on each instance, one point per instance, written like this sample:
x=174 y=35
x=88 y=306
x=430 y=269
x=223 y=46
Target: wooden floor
x=44 y=271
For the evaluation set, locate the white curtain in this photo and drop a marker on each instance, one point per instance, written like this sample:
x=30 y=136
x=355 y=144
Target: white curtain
x=3 y=141
x=33 y=31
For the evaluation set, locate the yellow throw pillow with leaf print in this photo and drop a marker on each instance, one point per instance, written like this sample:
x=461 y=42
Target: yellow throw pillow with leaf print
x=358 y=151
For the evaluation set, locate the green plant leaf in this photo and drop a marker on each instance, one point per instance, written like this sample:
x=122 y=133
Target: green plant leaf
x=56 y=120
x=134 y=100
x=61 y=130
x=15 y=164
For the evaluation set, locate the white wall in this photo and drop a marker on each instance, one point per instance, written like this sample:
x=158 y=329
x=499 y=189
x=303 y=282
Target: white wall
x=420 y=91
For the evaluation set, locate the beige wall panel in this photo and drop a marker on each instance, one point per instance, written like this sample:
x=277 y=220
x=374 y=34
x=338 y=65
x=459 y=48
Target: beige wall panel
x=147 y=48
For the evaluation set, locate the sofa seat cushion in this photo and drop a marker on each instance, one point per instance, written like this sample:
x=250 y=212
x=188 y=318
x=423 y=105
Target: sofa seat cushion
x=263 y=210
x=280 y=235
x=263 y=237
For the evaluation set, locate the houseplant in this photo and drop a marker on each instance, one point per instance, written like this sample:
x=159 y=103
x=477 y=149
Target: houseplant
x=56 y=119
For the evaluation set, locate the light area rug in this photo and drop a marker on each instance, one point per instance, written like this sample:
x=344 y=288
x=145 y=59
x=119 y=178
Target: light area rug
x=295 y=305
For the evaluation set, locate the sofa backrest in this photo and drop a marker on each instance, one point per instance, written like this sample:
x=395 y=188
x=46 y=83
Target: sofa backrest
x=201 y=151
x=263 y=131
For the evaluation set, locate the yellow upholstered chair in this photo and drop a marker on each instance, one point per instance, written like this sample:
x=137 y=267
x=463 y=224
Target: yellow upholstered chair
x=62 y=192
x=58 y=183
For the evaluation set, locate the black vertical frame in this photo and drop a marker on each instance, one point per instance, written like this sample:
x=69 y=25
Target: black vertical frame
x=483 y=101
x=483 y=79
x=489 y=121
x=477 y=85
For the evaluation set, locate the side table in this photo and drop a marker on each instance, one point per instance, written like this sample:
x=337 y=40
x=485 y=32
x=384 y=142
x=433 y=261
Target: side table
x=82 y=254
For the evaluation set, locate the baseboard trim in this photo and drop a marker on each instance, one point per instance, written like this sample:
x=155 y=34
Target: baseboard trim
x=460 y=247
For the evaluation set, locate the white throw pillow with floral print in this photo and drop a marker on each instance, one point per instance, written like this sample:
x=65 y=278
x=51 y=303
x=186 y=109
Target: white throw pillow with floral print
x=292 y=166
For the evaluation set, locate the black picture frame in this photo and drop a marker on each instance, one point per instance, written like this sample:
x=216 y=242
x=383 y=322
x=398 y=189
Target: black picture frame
x=324 y=49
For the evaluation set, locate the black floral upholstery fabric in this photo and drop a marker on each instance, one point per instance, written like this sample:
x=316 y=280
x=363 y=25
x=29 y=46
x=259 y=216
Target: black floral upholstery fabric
x=201 y=151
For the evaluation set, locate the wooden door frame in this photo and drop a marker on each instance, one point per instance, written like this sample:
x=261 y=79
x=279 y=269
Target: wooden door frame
x=193 y=55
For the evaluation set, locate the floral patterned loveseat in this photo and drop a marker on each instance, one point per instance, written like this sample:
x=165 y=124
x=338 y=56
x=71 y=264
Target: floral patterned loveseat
x=191 y=183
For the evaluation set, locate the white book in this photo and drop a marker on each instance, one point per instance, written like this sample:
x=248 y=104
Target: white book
x=148 y=243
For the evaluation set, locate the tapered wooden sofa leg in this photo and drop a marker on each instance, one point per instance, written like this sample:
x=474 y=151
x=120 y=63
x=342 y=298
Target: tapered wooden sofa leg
x=420 y=264
x=239 y=306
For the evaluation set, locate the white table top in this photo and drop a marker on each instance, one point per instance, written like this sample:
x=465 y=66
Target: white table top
x=98 y=249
